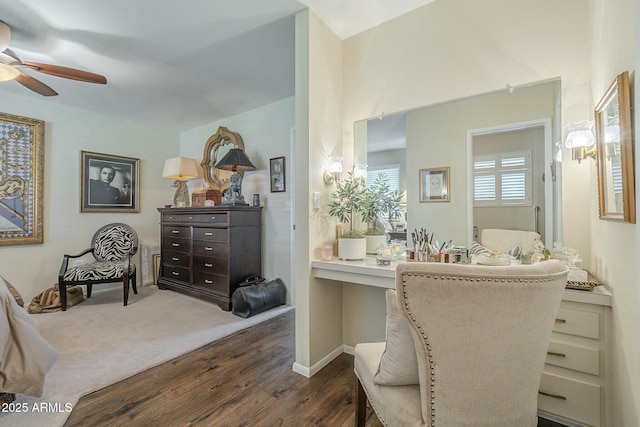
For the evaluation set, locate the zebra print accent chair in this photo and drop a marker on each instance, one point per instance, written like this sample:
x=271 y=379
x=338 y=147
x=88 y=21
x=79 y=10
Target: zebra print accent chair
x=112 y=246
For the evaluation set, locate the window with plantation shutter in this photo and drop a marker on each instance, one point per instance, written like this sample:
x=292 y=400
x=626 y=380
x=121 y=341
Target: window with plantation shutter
x=502 y=179
x=392 y=173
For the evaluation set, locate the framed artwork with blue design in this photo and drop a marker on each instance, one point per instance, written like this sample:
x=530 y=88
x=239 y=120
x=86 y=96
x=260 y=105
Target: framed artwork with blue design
x=108 y=183
x=21 y=180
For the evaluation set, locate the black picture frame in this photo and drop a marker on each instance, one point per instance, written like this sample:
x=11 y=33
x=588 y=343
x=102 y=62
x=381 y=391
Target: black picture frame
x=101 y=196
x=277 y=175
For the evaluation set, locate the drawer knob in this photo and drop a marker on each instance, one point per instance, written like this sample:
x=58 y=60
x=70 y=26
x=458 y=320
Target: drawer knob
x=553 y=396
x=175 y=244
x=207 y=264
x=207 y=248
x=175 y=273
x=190 y=217
x=213 y=217
x=561 y=321
x=550 y=353
x=174 y=259
x=208 y=233
x=175 y=231
x=208 y=282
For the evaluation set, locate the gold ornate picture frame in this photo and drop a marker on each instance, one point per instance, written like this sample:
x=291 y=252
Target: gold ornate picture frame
x=21 y=180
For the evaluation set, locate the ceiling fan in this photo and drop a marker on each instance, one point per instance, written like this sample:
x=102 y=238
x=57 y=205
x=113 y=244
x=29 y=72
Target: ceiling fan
x=11 y=68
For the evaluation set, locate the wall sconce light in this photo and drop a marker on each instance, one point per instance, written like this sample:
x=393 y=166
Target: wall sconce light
x=332 y=174
x=580 y=140
x=181 y=169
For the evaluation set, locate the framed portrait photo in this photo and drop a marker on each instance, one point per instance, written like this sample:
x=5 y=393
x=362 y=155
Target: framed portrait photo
x=21 y=180
x=276 y=174
x=434 y=185
x=109 y=183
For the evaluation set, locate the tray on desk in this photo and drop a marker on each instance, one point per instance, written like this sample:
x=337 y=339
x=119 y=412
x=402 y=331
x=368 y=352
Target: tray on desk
x=589 y=285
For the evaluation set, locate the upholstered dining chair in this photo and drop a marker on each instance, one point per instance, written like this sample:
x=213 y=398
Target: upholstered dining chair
x=465 y=345
x=112 y=247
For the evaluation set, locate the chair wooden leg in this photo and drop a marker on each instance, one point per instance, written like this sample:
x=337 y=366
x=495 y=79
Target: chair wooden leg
x=63 y=295
x=89 y=287
x=133 y=284
x=361 y=404
x=125 y=289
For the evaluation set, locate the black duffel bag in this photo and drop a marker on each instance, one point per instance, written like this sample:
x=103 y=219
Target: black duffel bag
x=255 y=296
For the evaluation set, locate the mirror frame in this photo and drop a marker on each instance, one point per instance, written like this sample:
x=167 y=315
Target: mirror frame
x=218 y=179
x=618 y=93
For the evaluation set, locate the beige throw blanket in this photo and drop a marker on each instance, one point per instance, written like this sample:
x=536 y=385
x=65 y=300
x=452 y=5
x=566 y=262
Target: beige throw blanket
x=25 y=355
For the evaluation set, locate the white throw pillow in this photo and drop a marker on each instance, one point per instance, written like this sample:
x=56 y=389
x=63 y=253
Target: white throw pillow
x=398 y=364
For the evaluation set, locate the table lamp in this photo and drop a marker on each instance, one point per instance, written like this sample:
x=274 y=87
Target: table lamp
x=181 y=169
x=235 y=160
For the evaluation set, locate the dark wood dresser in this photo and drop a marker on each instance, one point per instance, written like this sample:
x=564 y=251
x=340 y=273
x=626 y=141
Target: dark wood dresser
x=207 y=251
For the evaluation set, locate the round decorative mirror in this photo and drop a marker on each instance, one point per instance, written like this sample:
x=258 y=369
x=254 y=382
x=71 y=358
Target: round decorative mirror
x=217 y=146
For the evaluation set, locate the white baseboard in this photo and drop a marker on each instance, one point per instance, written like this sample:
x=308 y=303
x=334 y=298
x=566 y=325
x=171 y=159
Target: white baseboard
x=311 y=371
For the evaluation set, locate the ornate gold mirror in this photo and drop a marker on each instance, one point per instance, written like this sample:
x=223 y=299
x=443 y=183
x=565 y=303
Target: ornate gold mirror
x=616 y=189
x=217 y=146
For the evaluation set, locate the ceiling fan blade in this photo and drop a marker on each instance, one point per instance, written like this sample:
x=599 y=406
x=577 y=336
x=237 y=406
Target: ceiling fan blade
x=35 y=85
x=67 y=73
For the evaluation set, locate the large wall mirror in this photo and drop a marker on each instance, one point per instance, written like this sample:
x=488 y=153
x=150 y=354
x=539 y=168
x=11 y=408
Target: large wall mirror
x=217 y=146
x=526 y=120
x=615 y=153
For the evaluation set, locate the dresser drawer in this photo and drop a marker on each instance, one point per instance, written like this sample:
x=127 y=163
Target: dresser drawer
x=210 y=249
x=211 y=234
x=569 y=398
x=575 y=357
x=185 y=218
x=176 y=244
x=176 y=231
x=211 y=282
x=177 y=259
x=210 y=265
x=580 y=323
x=175 y=273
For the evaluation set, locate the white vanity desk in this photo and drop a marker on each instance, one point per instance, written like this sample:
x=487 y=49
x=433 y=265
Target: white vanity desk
x=576 y=375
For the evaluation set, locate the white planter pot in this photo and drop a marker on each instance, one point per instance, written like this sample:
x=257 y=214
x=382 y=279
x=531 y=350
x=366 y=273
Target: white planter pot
x=352 y=249
x=374 y=242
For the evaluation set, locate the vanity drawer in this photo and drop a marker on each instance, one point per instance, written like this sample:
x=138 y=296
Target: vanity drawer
x=580 y=323
x=577 y=358
x=211 y=282
x=176 y=244
x=210 y=249
x=175 y=273
x=210 y=265
x=177 y=259
x=185 y=218
x=176 y=231
x=211 y=234
x=570 y=398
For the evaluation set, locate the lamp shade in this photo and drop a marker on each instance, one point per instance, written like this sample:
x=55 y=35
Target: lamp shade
x=235 y=160
x=181 y=168
x=580 y=134
x=8 y=73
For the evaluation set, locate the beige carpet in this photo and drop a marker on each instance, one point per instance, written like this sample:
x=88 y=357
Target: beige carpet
x=101 y=342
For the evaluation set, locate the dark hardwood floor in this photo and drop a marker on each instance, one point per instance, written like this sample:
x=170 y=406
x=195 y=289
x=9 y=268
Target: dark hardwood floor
x=243 y=380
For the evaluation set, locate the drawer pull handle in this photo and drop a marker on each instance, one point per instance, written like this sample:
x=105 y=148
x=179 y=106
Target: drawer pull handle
x=175 y=245
x=553 y=396
x=207 y=248
x=174 y=259
x=550 y=353
x=208 y=233
x=190 y=217
x=175 y=231
x=213 y=217
x=208 y=282
x=175 y=273
x=206 y=264
x=561 y=321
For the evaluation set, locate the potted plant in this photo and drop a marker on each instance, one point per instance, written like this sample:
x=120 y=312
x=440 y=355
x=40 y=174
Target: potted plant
x=379 y=202
x=346 y=204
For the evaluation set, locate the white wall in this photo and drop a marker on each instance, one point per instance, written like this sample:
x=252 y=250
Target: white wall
x=32 y=268
x=266 y=132
x=615 y=245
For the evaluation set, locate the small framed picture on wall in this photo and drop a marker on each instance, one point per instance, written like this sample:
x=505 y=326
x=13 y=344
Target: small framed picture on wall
x=108 y=183
x=277 y=175
x=434 y=185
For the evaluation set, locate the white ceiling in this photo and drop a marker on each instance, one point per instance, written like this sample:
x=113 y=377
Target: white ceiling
x=175 y=65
